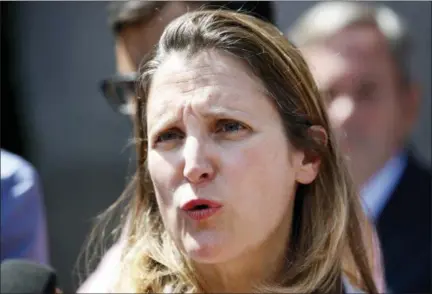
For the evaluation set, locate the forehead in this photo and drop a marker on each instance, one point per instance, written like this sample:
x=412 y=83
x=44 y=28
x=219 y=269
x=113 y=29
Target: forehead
x=211 y=77
x=357 y=53
x=362 y=43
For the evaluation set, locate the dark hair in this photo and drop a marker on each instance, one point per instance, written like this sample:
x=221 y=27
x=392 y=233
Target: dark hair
x=131 y=12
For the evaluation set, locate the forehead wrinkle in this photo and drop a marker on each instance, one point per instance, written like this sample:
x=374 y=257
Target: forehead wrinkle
x=181 y=79
x=210 y=103
x=202 y=90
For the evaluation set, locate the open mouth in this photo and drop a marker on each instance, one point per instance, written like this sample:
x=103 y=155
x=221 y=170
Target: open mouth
x=201 y=209
x=200 y=204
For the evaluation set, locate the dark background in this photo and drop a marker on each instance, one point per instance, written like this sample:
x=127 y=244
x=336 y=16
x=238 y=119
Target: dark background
x=53 y=55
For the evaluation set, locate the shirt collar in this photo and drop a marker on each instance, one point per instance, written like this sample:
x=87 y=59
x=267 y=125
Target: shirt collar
x=377 y=191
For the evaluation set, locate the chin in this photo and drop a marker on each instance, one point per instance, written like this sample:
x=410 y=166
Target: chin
x=205 y=255
x=207 y=248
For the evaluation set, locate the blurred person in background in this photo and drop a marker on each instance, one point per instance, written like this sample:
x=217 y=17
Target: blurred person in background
x=23 y=220
x=359 y=54
x=137 y=27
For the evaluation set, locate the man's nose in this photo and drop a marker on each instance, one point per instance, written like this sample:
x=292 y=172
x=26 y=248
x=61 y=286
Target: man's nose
x=198 y=166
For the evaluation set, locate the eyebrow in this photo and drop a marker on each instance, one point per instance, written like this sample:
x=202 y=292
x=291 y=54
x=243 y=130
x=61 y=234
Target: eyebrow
x=166 y=119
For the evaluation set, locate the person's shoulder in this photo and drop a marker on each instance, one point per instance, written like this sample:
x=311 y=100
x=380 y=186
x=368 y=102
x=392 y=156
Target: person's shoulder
x=418 y=170
x=11 y=164
x=416 y=183
x=18 y=176
x=410 y=200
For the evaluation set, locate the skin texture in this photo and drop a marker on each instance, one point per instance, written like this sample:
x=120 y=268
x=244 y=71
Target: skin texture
x=210 y=139
x=371 y=109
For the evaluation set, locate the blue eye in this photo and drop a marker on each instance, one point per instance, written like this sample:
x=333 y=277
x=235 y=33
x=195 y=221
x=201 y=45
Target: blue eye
x=169 y=136
x=228 y=126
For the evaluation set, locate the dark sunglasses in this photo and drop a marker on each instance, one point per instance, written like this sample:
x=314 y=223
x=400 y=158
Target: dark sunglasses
x=119 y=90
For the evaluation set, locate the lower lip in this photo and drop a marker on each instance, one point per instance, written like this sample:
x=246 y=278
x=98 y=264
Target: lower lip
x=202 y=214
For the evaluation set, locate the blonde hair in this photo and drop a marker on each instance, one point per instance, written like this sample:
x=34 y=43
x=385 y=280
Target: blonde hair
x=330 y=232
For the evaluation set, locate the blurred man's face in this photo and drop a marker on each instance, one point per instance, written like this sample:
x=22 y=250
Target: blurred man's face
x=371 y=109
x=131 y=45
x=134 y=42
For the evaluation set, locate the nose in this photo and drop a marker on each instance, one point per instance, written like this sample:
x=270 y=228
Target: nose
x=198 y=167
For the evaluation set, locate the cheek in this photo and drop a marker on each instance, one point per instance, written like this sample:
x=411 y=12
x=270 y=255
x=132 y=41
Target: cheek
x=381 y=118
x=164 y=175
x=262 y=181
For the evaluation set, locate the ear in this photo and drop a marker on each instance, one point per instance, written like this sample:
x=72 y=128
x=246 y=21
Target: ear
x=411 y=106
x=308 y=163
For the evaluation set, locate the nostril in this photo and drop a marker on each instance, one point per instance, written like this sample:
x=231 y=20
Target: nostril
x=198 y=174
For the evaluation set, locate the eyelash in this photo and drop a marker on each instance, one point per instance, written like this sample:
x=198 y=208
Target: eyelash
x=225 y=122
x=159 y=138
x=218 y=128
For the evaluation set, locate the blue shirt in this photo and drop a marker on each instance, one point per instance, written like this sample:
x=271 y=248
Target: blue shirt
x=376 y=193
x=23 y=224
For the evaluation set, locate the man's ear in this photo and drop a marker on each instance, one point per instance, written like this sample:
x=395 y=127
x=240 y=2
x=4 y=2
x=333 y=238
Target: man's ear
x=411 y=106
x=308 y=166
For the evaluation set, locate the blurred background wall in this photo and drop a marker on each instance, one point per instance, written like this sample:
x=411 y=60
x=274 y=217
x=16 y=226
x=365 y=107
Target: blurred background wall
x=53 y=55
x=58 y=52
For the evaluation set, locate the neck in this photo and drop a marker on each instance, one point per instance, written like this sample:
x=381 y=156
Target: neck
x=254 y=267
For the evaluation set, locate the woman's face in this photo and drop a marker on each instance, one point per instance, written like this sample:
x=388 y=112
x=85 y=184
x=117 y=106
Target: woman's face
x=223 y=171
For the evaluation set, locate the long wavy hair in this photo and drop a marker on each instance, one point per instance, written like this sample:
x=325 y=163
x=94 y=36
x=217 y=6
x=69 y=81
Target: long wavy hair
x=330 y=236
